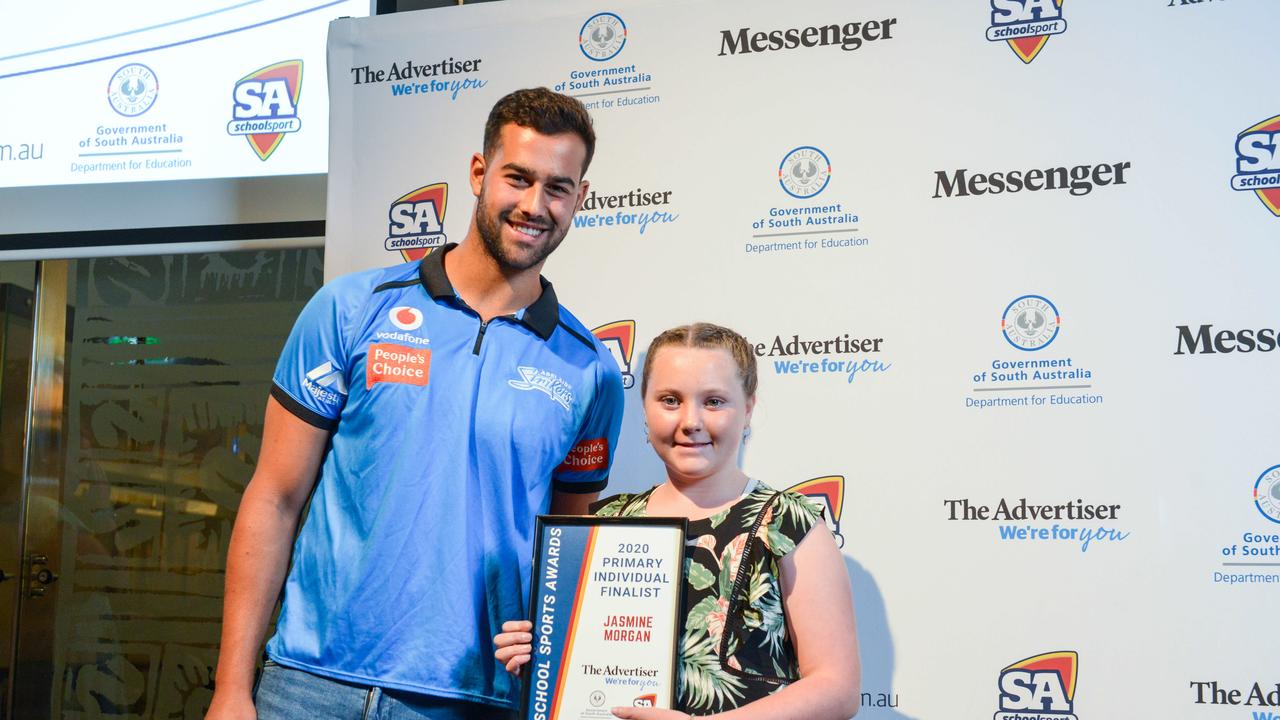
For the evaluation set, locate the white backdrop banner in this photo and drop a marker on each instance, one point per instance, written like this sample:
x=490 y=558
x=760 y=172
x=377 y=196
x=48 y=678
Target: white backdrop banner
x=1010 y=270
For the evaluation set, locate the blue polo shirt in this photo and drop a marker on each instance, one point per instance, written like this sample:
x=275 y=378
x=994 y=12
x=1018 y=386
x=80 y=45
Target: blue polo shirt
x=448 y=436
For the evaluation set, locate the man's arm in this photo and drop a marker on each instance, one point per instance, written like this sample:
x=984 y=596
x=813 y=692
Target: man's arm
x=567 y=503
x=259 y=553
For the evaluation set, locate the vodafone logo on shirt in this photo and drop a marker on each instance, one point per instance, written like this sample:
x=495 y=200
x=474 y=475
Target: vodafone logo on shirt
x=405 y=317
x=397 y=364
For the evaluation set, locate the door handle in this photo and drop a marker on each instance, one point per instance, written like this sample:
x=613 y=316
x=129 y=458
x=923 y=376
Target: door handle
x=41 y=575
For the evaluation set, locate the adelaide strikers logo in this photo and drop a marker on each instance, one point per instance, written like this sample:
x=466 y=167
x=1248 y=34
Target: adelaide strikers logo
x=620 y=338
x=1026 y=25
x=417 y=221
x=265 y=106
x=1039 y=688
x=1030 y=323
x=132 y=89
x=1258 y=163
x=1266 y=493
x=828 y=492
x=602 y=36
x=804 y=172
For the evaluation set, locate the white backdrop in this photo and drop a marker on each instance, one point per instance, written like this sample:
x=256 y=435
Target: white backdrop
x=1150 y=98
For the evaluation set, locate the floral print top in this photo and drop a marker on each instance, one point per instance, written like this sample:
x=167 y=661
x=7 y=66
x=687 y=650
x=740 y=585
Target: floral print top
x=735 y=647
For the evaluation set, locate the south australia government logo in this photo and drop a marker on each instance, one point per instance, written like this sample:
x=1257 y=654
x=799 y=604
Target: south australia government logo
x=416 y=221
x=620 y=338
x=1258 y=163
x=828 y=492
x=265 y=106
x=132 y=89
x=1030 y=322
x=602 y=36
x=1026 y=25
x=1266 y=493
x=804 y=172
x=1039 y=688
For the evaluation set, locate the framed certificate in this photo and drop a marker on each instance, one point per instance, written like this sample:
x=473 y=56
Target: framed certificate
x=605 y=602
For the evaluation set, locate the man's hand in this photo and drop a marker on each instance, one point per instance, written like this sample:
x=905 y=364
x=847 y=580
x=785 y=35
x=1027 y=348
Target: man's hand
x=227 y=707
x=644 y=713
x=514 y=644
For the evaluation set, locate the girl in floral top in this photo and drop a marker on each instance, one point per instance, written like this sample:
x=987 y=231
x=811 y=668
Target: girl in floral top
x=769 y=629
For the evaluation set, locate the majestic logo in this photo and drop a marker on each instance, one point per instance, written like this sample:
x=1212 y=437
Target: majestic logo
x=1026 y=25
x=1258 y=162
x=132 y=90
x=1039 y=688
x=1266 y=493
x=804 y=172
x=325 y=383
x=544 y=381
x=266 y=106
x=620 y=338
x=405 y=317
x=650 y=700
x=602 y=36
x=417 y=221
x=828 y=492
x=1030 y=323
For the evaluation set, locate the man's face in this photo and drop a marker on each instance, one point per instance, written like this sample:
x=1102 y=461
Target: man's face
x=527 y=194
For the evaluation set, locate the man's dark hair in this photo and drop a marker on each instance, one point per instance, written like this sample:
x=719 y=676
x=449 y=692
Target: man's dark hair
x=540 y=109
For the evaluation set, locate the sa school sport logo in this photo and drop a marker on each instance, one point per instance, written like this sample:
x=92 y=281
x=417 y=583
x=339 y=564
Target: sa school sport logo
x=416 y=221
x=265 y=106
x=1258 y=163
x=828 y=492
x=1030 y=323
x=620 y=338
x=1026 y=25
x=1039 y=688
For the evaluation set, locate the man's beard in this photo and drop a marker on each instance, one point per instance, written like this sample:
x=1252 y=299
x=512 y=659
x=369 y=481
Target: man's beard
x=490 y=229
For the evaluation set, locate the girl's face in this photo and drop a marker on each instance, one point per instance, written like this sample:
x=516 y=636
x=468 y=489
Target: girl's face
x=696 y=411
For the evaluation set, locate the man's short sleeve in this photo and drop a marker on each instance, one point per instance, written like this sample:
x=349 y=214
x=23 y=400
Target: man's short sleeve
x=586 y=468
x=311 y=378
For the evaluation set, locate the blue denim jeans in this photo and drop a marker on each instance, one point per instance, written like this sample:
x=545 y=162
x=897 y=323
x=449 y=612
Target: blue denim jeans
x=284 y=693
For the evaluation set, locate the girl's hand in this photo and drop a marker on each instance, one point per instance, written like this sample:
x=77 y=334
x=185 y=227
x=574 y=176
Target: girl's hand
x=515 y=644
x=645 y=713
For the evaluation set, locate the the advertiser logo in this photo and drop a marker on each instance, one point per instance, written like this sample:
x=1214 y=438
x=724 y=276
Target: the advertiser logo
x=849 y=36
x=132 y=89
x=636 y=210
x=546 y=382
x=826 y=224
x=620 y=338
x=606 y=83
x=1039 y=688
x=1074 y=522
x=437 y=78
x=828 y=492
x=602 y=36
x=1026 y=25
x=397 y=364
x=1258 y=162
x=840 y=355
x=1204 y=340
x=1211 y=692
x=265 y=106
x=416 y=221
x=1077 y=180
x=1030 y=324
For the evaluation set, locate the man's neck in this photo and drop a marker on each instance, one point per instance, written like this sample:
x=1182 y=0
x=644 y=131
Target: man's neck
x=484 y=286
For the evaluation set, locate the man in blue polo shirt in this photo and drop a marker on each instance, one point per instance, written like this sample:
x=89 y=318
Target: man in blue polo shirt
x=441 y=405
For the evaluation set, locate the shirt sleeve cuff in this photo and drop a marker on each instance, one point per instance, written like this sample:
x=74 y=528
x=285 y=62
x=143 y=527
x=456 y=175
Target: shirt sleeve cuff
x=300 y=411
x=579 y=488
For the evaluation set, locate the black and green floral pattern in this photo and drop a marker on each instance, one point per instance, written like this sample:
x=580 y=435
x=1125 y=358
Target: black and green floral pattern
x=735 y=647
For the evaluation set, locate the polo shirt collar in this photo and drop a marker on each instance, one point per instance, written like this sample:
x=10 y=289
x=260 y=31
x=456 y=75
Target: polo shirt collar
x=541 y=317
